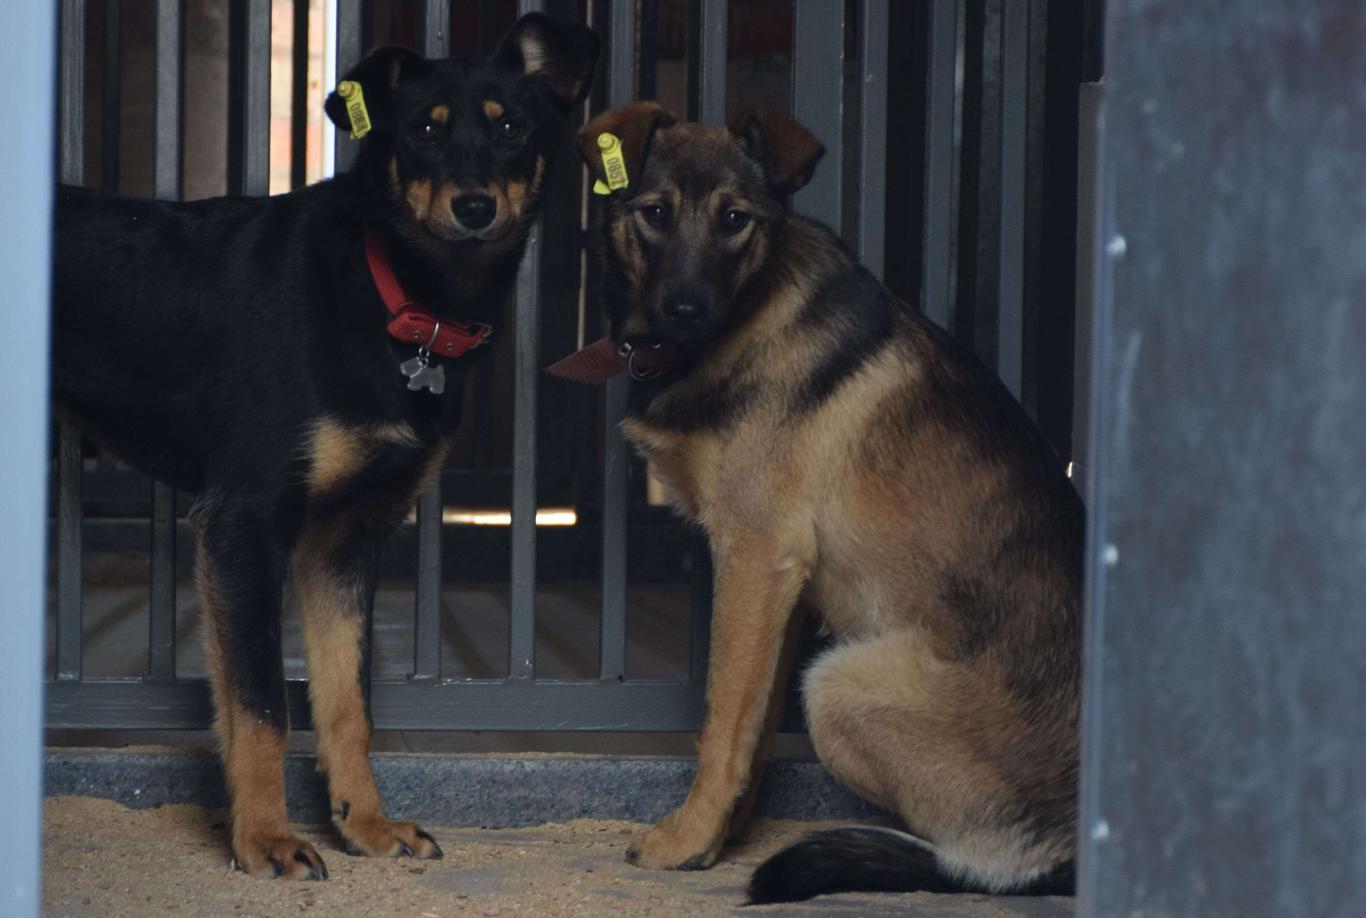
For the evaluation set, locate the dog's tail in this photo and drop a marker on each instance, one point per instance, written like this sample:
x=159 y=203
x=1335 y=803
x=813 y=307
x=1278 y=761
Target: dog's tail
x=869 y=859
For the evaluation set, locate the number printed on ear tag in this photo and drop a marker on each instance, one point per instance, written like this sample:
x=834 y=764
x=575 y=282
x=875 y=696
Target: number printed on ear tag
x=354 y=97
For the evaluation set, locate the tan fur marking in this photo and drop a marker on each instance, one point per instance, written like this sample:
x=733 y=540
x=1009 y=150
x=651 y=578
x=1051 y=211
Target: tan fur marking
x=333 y=615
x=440 y=114
x=339 y=451
x=418 y=193
x=493 y=110
x=253 y=756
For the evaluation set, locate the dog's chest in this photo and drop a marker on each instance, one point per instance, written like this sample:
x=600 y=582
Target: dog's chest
x=686 y=464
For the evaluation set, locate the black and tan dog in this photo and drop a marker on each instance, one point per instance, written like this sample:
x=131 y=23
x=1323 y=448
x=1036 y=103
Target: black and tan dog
x=839 y=448
x=283 y=360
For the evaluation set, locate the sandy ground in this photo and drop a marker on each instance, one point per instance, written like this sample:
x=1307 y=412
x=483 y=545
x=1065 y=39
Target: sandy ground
x=101 y=859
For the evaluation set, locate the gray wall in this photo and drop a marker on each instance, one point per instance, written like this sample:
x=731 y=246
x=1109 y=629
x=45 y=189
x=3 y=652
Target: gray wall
x=1227 y=703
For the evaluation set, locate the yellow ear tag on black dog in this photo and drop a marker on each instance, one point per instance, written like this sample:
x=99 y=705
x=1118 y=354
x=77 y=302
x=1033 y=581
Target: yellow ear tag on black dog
x=613 y=163
x=354 y=97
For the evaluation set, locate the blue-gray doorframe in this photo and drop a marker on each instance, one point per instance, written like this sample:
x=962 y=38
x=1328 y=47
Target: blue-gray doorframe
x=1225 y=755
x=27 y=65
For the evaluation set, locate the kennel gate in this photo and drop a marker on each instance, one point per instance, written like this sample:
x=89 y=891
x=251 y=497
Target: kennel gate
x=967 y=217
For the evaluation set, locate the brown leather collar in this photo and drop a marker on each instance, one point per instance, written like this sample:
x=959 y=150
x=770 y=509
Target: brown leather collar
x=603 y=360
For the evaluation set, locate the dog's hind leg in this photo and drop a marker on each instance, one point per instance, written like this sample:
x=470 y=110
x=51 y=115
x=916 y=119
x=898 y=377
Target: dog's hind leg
x=334 y=572
x=240 y=574
x=988 y=790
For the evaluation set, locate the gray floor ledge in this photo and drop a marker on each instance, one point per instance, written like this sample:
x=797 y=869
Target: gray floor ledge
x=454 y=790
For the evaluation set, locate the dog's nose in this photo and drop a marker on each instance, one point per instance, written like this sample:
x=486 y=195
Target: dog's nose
x=474 y=211
x=682 y=312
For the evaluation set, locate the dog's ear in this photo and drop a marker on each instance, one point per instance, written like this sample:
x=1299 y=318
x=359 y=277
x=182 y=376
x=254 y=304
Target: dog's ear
x=787 y=151
x=634 y=125
x=563 y=54
x=378 y=73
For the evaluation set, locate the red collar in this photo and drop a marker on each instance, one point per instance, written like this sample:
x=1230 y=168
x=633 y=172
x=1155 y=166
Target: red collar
x=602 y=360
x=412 y=323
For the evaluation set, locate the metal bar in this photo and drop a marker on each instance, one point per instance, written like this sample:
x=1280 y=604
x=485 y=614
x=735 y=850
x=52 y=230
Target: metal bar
x=169 y=72
x=27 y=48
x=526 y=370
x=348 y=53
x=112 y=80
x=711 y=79
x=161 y=630
x=161 y=637
x=940 y=109
x=522 y=629
x=612 y=649
x=71 y=138
x=455 y=705
x=436 y=24
x=1014 y=88
x=621 y=89
x=818 y=102
x=712 y=91
x=299 y=99
x=872 y=211
x=1090 y=111
x=69 y=605
x=72 y=170
x=256 y=137
x=427 y=614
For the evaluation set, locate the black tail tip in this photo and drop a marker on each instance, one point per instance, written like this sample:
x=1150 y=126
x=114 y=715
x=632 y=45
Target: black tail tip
x=863 y=859
x=844 y=860
x=785 y=877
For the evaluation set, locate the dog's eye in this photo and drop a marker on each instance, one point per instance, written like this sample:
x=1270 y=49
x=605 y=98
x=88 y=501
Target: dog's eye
x=656 y=214
x=426 y=130
x=734 y=220
x=509 y=129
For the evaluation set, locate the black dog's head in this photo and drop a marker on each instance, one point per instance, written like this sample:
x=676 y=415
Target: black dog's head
x=696 y=222
x=460 y=146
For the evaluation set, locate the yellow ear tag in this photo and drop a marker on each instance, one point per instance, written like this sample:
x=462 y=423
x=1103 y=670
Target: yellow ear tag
x=354 y=98
x=613 y=163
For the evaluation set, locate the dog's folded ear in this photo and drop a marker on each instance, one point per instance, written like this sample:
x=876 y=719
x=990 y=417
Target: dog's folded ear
x=377 y=73
x=634 y=125
x=787 y=151
x=563 y=54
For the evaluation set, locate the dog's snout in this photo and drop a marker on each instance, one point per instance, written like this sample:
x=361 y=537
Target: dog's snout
x=683 y=308
x=682 y=311
x=474 y=211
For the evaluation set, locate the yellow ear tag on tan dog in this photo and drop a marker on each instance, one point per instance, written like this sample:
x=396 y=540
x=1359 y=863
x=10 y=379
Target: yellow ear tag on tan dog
x=613 y=163
x=354 y=97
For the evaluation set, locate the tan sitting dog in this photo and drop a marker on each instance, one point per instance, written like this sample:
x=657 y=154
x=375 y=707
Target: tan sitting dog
x=839 y=448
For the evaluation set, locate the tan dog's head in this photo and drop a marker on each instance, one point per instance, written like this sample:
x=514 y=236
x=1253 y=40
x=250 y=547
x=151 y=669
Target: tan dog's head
x=695 y=224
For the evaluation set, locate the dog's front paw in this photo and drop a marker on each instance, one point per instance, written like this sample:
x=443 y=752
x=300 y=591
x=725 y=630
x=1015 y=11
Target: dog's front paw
x=268 y=854
x=375 y=836
x=676 y=843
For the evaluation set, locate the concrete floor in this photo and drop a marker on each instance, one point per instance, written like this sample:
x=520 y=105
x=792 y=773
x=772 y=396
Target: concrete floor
x=103 y=861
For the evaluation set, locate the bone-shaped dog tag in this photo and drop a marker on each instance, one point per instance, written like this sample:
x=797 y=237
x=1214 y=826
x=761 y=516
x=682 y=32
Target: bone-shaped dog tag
x=422 y=375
